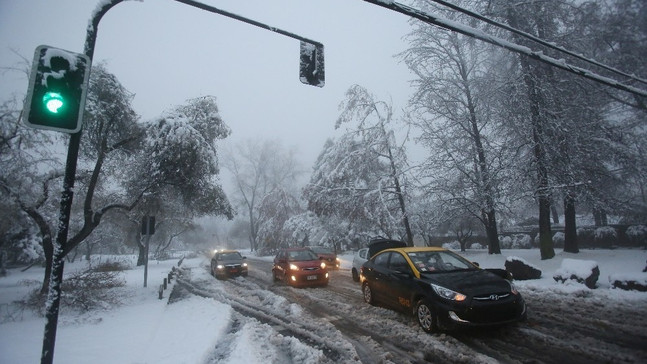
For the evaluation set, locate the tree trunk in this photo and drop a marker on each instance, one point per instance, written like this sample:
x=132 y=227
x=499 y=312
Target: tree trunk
x=488 y=212
x=532 y=73
x=492 y=232
x=553 y=210
x=88 y=251
x=48 y=245
x=543 y=193
x=600 y=217
x=398 y=191
x=252 y=230
x=570 y=228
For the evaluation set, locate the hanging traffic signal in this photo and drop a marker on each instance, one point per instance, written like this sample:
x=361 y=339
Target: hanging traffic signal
x=57 y=90
x=311 y=67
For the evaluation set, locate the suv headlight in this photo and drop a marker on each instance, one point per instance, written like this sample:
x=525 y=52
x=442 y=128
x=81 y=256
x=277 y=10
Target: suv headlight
x=448 y=294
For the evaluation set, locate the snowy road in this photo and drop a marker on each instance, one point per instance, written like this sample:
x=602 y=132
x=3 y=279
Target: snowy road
x=334 y=325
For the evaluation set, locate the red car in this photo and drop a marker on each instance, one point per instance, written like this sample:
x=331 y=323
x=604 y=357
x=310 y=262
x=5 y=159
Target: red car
x=299 y=267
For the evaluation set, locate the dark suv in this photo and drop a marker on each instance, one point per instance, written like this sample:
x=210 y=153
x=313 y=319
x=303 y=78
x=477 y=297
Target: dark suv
x=228 y=263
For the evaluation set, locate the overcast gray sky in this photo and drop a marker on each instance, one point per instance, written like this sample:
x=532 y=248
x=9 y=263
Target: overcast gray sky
x=167 y=52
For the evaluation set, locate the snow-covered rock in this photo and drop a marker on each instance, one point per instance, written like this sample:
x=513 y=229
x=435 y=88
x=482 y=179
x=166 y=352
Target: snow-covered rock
x=629 y=282
x=581 y=271
x=520 y=269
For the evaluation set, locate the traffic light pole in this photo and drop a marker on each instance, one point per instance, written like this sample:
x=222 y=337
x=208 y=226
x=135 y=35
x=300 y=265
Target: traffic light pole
x=54 y=295
x=60 y=245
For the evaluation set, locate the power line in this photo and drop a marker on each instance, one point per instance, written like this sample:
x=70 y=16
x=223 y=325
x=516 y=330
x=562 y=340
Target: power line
x=478 y=34
x=537 y=40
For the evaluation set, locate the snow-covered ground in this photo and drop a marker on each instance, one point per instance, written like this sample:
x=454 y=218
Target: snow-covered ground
x=144 y=329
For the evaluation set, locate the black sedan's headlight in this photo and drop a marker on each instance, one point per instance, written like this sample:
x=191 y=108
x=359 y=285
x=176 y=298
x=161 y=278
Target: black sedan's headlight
x=448 y=294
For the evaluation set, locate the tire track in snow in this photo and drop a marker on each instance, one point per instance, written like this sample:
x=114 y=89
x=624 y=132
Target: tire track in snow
x=311 y=334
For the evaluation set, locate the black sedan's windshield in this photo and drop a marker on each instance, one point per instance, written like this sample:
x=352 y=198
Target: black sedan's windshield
x=438 y=261
x=229 y=256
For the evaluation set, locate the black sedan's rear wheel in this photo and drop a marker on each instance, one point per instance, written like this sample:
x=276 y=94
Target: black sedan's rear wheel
x=425 y=315
x=368 y=294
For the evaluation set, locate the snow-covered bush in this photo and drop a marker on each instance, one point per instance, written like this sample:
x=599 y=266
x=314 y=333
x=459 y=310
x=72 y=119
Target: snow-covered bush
x=29 y=250
x=454 y=245
x=637 y=235
x=521 y=241
x=558 y=239
x=585 y=236
x=605 y=237
x=477 y=246
x=505 y=242
x=83 y=291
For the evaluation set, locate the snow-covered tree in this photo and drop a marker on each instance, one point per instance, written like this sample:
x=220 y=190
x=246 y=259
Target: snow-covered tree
x=577 y=134
x=274 y=211
x=30 y=170
x=451 y=108
x=260 y=168
x=360 y=176
x=176 y=171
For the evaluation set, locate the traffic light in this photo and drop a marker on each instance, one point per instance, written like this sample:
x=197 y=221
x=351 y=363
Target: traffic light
x=57 y=89
x=311 y=67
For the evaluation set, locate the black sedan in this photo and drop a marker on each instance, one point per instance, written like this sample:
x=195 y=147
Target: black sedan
x=440 y=288
x=228 y=263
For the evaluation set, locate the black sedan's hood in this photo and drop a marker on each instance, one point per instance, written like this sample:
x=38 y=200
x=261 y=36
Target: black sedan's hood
x=473 y=282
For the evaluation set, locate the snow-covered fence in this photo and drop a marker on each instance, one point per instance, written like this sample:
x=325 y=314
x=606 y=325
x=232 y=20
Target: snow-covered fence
x=169 y=277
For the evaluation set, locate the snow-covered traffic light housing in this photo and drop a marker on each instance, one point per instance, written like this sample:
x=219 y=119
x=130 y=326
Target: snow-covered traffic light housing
x=311 y=67
x=57 y=90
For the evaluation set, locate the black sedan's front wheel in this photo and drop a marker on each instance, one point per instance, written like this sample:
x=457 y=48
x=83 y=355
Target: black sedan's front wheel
x=425 y=315
x=368 y=294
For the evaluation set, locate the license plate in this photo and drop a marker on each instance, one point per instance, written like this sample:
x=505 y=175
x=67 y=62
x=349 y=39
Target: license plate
x=311 y=278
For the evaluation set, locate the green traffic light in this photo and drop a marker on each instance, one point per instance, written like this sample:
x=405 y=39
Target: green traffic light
x=53 y=102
